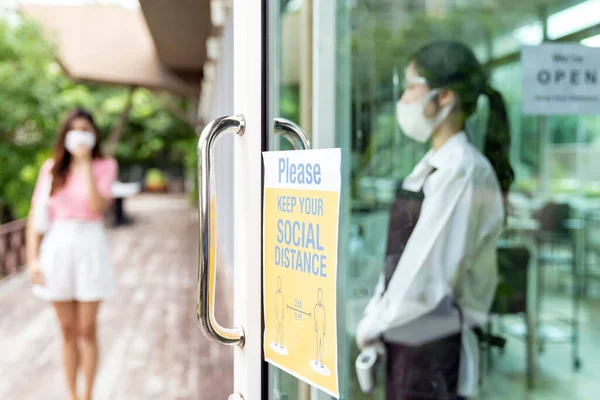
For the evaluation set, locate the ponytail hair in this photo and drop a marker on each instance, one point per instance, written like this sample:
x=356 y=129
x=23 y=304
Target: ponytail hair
x=497 y=139
x=452 y=65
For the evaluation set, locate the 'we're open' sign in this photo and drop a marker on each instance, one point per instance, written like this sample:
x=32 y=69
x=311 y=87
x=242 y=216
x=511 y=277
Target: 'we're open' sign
x=561 y=79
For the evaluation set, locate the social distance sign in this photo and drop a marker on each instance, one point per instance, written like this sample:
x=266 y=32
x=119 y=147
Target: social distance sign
x=300 y=236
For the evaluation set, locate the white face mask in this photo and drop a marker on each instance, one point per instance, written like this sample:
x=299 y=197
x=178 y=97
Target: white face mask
x=74 y=139
x=413 y=122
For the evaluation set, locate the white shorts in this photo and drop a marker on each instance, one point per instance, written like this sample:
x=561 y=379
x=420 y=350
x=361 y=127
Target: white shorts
x=75 y=262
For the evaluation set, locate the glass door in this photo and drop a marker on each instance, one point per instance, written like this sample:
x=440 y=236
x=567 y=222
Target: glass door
x=302 y=88
x=337 y=69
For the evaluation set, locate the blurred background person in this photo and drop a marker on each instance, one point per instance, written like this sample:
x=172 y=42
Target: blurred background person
x=67 y=253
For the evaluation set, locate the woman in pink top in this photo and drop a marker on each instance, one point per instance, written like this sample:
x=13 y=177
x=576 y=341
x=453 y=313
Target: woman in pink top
x=70 y=264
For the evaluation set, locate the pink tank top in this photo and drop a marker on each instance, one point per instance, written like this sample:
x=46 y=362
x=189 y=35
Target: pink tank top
x=72 y=200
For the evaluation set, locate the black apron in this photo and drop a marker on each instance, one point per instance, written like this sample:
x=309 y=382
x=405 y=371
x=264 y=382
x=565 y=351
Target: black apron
x=428 y=371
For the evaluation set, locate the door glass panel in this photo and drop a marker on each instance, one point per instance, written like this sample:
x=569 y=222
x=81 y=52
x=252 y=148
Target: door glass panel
x=553 y=205
x=288 y=22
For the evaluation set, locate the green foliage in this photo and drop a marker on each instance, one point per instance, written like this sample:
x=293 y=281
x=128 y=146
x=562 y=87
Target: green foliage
x=155 y=179
x=34 y=96
x=289 y=108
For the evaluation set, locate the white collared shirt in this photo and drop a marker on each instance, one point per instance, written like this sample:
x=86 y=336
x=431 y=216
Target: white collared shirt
x=450 y=254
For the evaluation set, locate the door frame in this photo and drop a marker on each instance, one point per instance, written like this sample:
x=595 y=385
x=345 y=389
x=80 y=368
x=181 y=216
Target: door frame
x=249 y=100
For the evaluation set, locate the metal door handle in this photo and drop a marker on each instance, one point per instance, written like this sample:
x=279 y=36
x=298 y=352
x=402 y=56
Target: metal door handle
x=205 y=305
x=293 y=133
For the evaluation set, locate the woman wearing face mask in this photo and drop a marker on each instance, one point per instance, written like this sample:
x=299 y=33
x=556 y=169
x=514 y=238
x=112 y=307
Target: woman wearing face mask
x=440 y=271
x=69 y=264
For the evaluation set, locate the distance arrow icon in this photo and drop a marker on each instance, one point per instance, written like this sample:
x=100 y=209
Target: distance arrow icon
x=302 y=312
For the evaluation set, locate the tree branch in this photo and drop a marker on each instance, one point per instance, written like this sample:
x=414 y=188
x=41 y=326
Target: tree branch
x=119 y=129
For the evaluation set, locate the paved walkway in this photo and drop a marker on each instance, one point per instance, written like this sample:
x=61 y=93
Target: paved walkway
x=151 y=347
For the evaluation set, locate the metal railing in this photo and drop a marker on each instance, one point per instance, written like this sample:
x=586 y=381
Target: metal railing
x=12 y=247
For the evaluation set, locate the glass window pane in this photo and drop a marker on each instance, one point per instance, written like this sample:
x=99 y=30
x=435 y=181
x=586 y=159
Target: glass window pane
x=547 y=254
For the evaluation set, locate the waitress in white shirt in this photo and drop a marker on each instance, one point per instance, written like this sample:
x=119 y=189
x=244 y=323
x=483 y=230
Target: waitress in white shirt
x=440 y=274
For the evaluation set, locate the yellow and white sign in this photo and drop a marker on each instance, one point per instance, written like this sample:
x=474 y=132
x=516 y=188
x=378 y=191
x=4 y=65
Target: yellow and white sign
x=300 y=229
